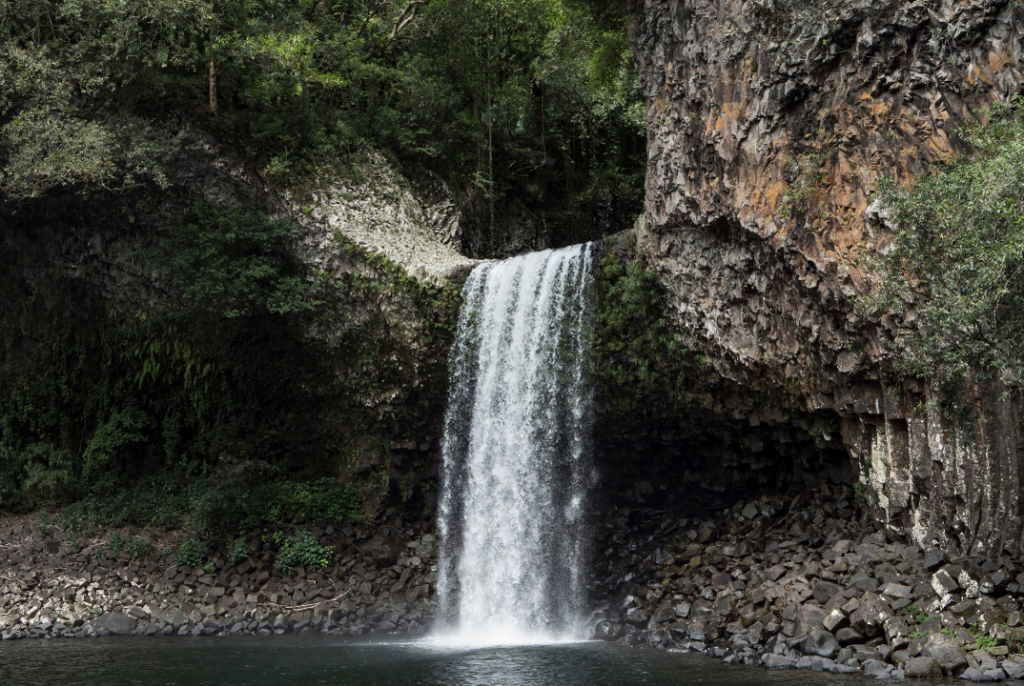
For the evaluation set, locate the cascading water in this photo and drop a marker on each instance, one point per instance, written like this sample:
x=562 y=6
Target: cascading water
x=516 y=468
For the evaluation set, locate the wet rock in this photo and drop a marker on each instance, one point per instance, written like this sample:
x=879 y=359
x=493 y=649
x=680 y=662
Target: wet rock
x=772 y=661
x=923 y=668
x=821 y=643
x=115 y=623
x=607 y=631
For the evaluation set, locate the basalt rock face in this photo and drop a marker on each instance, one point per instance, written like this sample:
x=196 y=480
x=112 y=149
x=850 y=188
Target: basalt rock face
x=770 y=123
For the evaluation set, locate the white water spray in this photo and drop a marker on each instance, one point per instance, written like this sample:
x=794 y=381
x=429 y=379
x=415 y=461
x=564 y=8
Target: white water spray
x=516 y=433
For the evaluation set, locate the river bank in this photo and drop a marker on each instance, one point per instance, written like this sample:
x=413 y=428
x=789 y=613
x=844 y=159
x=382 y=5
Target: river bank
x=807 y=583
x=802 y=583
x=379 y=579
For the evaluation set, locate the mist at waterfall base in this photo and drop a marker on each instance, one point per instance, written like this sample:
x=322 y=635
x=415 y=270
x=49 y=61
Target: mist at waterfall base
x=516 y=470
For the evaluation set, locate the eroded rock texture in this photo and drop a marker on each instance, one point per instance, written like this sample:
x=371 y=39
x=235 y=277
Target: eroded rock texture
x=770 y=122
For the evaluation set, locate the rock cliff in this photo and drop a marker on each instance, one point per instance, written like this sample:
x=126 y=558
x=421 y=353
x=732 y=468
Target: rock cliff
x=770 y=122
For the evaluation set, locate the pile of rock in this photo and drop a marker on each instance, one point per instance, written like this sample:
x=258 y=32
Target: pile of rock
x=381 y=579
x=807 y=586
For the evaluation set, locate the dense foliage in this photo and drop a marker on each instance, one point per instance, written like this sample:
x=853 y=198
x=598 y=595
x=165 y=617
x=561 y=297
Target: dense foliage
x=955 y=267
x=645 y=374
x=232 y=386
x=528 y=104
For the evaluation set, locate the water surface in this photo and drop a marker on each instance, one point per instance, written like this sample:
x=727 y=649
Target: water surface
x=315 y=660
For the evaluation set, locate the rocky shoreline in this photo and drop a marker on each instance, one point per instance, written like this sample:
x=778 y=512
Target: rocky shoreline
x=380 y=579
x=807 y=583
x=802 y=583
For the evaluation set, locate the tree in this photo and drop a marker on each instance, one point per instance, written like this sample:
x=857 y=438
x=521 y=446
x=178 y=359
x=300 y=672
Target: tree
x=955 y=267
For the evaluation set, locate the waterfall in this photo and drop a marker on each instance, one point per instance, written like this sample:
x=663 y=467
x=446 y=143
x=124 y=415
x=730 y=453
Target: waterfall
x=516 y=467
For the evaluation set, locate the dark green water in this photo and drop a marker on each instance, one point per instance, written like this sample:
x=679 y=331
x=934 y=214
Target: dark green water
x=310 y=661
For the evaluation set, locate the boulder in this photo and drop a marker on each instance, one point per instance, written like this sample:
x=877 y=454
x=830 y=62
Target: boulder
x=825 y=590
x=383 y=550
x=933 y=559
x=835 y=620
x=947 y=651
x=871 y=667
x=848 y=636
x=870 y=616
x=808 y=618
x=115 y=623
x=772 y=661
x=821 y=643
x=923 y=668
x=607 y=631
x=943 y=583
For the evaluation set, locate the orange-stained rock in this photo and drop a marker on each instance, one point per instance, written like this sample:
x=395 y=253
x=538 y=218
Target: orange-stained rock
x=769 y=123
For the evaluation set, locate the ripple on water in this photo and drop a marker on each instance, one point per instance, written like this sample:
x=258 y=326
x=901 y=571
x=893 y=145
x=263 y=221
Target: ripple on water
x=316 y=660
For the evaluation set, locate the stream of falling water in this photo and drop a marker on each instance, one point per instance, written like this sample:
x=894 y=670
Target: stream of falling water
x=516 y=467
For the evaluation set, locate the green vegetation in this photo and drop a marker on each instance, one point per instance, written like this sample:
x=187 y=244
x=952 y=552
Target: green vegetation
x=241 y=394
x=301 y=550
x=955 y=267
x=637 y=350
x=136 y=547
x=518 y=104
x=919 y=615
x=983 y=640
x=191 y=552
x=239 y=550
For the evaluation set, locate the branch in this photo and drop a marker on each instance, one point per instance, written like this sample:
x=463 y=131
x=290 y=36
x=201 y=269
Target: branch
x=407 y=16
x=309 y=606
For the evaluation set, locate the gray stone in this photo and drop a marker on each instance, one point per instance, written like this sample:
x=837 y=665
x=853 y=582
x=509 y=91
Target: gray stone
x=835 y=620
x=808 y=618
x=894 y=590
x=772 y=661
x=947 y=650
x=972 y=674
x=115 y=623
x=1013 y=670
x=821 y=643
x=923 y=668
x=943 y=583
x=871 y=667
x=869 y=617
x=849 y=636
x=862 y=582
x=825 y=591
x=935 y=558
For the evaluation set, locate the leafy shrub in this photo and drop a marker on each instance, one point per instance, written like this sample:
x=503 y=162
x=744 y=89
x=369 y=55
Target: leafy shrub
x=983 y=640
x=956 y=260
x=191 y=552
x=302 y=550
x=239 y=550
x=136 y=547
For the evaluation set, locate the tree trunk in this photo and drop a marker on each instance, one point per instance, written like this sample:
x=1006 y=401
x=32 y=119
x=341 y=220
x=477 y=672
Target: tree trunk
x=490 y=163
x=213 y=77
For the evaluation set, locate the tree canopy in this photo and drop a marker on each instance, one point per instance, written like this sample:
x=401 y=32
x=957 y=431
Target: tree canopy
x=532 y=99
